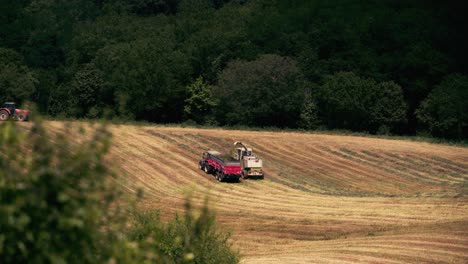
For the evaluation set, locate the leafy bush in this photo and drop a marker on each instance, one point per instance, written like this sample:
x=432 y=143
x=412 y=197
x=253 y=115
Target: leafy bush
x=58 y=204
x=53 y=197
x=187 y=239
x=200 y=102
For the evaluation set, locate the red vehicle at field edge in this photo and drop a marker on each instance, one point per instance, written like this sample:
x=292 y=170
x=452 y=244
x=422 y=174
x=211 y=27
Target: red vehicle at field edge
x=223 y=170
x=9 y=110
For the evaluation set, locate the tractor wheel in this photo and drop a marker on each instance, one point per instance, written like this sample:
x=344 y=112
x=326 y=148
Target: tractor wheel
x=4 y=115
x=220 y=177
x=244 y=176
x=207 y=169
x=20 y=118
x=200 y=166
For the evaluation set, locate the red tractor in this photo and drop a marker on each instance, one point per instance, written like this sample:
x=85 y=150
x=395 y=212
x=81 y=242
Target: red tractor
x=9 y=110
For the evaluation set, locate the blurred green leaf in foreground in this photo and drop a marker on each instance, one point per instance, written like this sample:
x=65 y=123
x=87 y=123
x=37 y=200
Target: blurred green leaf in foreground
x=58 y=204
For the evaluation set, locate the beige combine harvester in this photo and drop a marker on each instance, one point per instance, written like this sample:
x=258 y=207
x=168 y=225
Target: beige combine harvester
x=252 y=166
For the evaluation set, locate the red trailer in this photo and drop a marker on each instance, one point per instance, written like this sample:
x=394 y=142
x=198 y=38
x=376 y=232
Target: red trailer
x=224 y=170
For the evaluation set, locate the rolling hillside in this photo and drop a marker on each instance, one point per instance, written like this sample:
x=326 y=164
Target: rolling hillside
x=325 y=198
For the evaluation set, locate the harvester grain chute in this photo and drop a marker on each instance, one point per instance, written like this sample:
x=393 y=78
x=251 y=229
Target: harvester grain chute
x=252 y=166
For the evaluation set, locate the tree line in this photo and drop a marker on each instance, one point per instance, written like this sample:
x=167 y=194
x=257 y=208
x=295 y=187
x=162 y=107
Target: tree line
x=388 y=67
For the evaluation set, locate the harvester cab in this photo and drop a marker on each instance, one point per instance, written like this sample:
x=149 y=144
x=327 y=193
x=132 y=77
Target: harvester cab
x=252 y=166
x=240 y=153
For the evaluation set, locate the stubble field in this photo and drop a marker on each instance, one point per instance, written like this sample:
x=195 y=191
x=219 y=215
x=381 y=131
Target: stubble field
x=325 y=198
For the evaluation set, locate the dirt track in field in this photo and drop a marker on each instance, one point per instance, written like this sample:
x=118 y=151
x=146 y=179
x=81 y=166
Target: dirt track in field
x=325 y=198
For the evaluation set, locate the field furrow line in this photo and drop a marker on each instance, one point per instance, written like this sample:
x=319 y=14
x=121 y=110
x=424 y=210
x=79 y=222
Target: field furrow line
x=409 y=165
x=311 y=176
x=386 y=182
x=387 y=165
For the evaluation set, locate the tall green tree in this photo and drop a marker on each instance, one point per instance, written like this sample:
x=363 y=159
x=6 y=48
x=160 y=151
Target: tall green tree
x=200 y=102
x=17 y=81
x=87 y=87
x=445 y=111
x=389 y=109
x=351 y=102
x=308 y=118
x=263 y=92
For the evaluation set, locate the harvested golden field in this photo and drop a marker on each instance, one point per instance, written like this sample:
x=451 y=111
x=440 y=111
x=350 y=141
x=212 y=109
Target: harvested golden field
x=325 y=198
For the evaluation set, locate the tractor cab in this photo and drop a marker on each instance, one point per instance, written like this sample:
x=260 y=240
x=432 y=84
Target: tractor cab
x=10 y=106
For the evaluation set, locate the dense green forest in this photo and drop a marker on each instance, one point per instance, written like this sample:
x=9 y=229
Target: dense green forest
x=380 y=66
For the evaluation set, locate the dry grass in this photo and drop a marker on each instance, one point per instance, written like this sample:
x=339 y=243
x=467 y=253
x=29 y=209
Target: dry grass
x=325 y=199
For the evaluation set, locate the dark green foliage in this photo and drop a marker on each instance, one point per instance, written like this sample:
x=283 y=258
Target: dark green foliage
x=149 y=72
x=152 y=7
x=187 y=239
x=200 y=102
x=445 y=111
x=309 y=113
x=86 y=88
x=13 y=32
x=50 y=24
x=351 y=102
x=388 y=110
x=17 y=82
x=47 y=80
x=345 y=100
x=263 y=92
x=150 y=51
